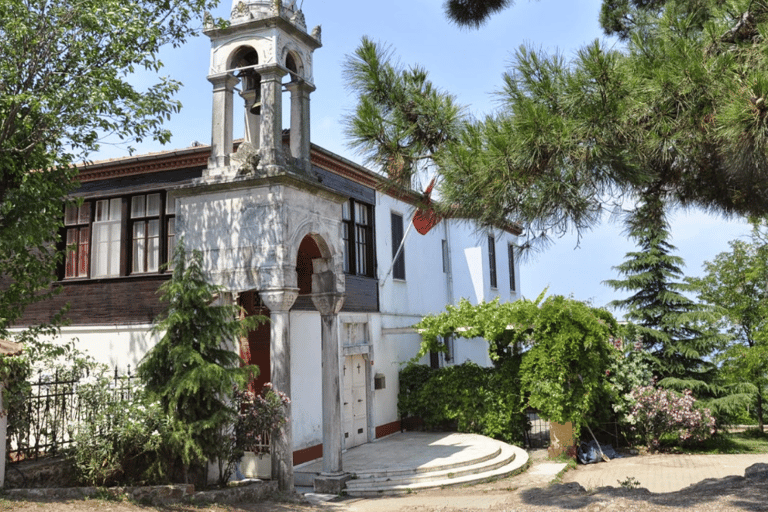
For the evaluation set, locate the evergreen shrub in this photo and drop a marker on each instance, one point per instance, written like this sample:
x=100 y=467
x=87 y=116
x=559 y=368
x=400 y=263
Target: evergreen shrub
x=465 y=397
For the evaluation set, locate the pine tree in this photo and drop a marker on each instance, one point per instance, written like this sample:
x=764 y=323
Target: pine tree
x=191 y=371
x=735 y=283
x=674 y=330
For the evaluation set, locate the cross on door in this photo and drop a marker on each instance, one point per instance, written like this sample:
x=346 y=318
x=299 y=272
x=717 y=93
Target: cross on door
x=358 y=368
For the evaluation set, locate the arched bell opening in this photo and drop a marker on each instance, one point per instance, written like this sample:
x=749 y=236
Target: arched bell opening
x=243 y=63
x=295 y=82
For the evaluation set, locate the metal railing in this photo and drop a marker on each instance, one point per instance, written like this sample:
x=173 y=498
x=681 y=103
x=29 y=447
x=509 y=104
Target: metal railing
x=55 y=407
x=538 y=435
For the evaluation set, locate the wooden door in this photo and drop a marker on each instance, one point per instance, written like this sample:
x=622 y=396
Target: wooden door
x=355 y=406
x=255 y=348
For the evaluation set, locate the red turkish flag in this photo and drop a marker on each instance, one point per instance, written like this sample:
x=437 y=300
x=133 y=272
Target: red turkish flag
x=425 y=218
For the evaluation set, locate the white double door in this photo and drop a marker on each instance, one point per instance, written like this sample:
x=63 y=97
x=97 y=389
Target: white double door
x=354 y=404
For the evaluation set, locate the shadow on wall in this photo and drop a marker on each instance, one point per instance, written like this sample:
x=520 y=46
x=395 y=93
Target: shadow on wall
x=139 y=342
x=474 y=260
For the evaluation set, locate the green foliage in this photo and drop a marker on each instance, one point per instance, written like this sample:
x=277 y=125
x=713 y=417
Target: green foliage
x=260 y=414
x=191 y=371
x=676 y=332
x=629 y=483
x=629 y=369
x=401 y=119
x=724 y=442
x=563 y=374
x=734 y=283
x=123 y=441
x=39 y=361
x=64 y=84
x=506 y=326
x=663 y=412
x=473 y=13
x=563 y=345
x=410 y=399
x=680 y=106
x=473 y=399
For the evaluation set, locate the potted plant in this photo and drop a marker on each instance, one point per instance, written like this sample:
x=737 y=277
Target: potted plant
x=258 y=418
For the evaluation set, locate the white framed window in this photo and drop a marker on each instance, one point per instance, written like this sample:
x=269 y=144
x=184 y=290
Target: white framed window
x=398 y=253
x=145 y=227
x=105 y=254
x=77 y=220
x=492 y=261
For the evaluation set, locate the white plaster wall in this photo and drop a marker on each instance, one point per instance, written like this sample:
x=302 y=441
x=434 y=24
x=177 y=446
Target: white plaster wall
x=118 y=346
x=424 y=289
x=471 y=268
x=386 y=361
x=427 y=289
x=306 y=379
x=474 y=349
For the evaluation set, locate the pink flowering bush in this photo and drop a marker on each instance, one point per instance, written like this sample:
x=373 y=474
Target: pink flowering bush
x=259 y=416
x=658 y=411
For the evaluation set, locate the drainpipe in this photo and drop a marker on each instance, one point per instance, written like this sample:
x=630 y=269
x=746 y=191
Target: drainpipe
x=448 y=263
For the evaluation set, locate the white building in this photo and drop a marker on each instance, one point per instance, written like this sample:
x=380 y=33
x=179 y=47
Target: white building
x=287 y=229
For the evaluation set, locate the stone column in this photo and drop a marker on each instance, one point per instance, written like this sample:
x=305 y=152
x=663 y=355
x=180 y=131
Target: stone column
x=300 y=138
x=279 y=303
x=271 y=134
x=221 y=129
x=328 y=301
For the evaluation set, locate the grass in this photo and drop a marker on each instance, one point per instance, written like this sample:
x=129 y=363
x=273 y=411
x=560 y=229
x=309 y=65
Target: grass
x=750 y=441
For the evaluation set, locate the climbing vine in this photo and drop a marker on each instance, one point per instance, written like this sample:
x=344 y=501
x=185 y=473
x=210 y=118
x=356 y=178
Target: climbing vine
x=564 y=372
x=508 y=327
x=565 y=347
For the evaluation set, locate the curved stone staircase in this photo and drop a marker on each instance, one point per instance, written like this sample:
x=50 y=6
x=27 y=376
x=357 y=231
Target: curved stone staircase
x=494 y=460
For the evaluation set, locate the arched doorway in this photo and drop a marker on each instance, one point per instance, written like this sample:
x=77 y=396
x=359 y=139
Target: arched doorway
x=308 y=251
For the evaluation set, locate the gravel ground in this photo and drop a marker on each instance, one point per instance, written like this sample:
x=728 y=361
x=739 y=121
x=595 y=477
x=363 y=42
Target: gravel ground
x=514 y=494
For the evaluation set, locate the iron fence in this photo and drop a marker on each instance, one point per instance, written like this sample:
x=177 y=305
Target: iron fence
x=537 y=436
x=54 y=408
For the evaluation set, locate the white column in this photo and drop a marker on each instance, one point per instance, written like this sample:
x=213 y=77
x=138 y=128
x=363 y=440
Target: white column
x=221 y=129
x=300 y=134
x=328 y=301
x=279 y=303
x=271 y=134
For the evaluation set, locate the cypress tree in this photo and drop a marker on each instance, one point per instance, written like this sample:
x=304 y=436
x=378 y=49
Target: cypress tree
x=675 y=330
x=191 y=371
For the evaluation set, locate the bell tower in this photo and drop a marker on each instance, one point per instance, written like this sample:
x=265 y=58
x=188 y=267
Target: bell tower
x=251 y=211
x=264 y=50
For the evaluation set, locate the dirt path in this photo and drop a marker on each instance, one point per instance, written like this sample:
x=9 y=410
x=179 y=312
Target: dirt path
x=522 y=493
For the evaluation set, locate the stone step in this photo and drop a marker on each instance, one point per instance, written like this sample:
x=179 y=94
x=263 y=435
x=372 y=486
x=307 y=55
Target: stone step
x=432 y=468
x=509 y=460
x=501 y=457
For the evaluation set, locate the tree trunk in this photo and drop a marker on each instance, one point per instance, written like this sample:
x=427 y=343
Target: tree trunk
x=759 y=411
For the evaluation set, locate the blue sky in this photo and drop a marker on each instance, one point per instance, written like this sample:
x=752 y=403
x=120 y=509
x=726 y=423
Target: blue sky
x=468 y=64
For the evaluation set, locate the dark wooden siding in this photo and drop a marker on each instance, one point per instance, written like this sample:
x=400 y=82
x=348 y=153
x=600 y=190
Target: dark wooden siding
x=345 y=186
x=103 y=302
x=361 y=296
